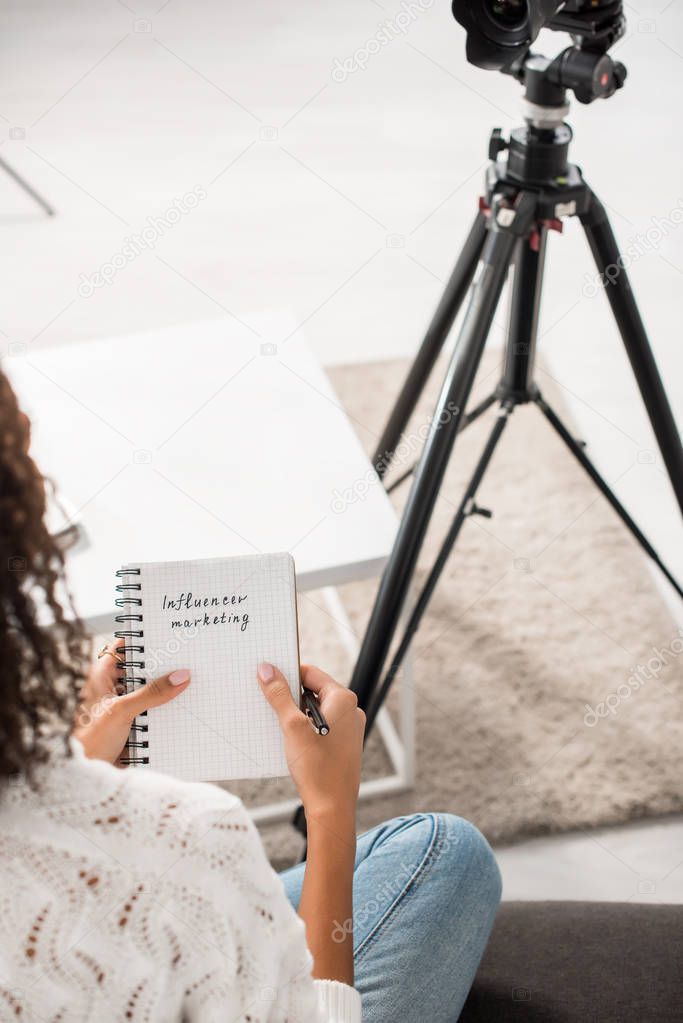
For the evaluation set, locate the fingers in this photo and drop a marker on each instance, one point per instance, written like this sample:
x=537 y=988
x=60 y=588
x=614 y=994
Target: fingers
x=104 y=677
x=319 y=681
x=108 y=664
x=118 y=673
x=115 y=653
x=335 y=699
x=275 y=688
x=155 y=693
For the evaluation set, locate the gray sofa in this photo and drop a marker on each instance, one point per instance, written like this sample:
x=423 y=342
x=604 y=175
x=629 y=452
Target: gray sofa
x=581 y=962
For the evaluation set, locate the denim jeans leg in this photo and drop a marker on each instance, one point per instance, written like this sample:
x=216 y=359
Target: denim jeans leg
x=426 y=890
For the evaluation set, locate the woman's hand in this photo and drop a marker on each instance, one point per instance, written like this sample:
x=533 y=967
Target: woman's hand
x=104 y=718
x=325 y=768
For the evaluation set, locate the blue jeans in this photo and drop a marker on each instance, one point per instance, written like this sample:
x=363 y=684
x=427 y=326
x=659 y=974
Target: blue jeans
x=425 y=893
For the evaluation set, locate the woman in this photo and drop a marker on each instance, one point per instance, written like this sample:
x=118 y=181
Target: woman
x=127 y=895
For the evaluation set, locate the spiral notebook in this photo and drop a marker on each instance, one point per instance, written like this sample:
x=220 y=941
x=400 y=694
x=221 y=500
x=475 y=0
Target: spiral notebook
x=220 y=618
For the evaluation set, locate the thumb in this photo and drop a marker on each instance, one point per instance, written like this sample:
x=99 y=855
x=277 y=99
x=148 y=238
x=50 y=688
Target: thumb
x=275 y=688
x=155 y=693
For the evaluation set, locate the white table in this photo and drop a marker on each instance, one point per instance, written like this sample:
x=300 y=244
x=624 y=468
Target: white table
x=205 y=440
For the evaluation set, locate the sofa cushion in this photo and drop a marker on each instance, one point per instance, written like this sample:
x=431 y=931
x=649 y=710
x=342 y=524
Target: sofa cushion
x=579 y=962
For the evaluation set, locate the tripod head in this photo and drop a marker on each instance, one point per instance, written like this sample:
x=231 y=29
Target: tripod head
x=584 y=68
x=539 y=150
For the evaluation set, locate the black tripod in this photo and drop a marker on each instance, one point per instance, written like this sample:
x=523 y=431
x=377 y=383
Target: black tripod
x=525 y=197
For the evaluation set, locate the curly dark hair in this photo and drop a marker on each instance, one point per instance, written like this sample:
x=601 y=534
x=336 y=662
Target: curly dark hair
x=43 y=651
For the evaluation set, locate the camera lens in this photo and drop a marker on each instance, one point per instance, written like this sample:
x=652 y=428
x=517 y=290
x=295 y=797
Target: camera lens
x=507 y=14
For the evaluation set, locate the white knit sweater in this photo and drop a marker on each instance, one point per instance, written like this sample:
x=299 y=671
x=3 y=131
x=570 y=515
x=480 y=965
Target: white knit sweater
x=129 y=896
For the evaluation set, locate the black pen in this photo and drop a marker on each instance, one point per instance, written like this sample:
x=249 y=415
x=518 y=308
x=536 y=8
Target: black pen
x=309 y=704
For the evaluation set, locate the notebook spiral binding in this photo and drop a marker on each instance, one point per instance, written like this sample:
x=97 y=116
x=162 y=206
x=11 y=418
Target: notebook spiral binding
x=128 y=679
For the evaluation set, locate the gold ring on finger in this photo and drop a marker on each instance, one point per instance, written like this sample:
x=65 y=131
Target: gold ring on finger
x=112 y=653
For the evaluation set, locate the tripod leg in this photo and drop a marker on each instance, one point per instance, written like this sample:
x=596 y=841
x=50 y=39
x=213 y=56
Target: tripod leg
x=10 y=171
x=465 y=509
x=618 y=289
x=433 y=342
x=485 y=294
x=525 y=303
x=604 y=488
x=466 y=420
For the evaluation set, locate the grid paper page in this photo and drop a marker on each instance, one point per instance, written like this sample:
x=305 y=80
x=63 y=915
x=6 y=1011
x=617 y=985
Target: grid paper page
x=220 y=618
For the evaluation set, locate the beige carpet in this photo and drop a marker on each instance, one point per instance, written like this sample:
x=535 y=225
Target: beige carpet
x=545 y=608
